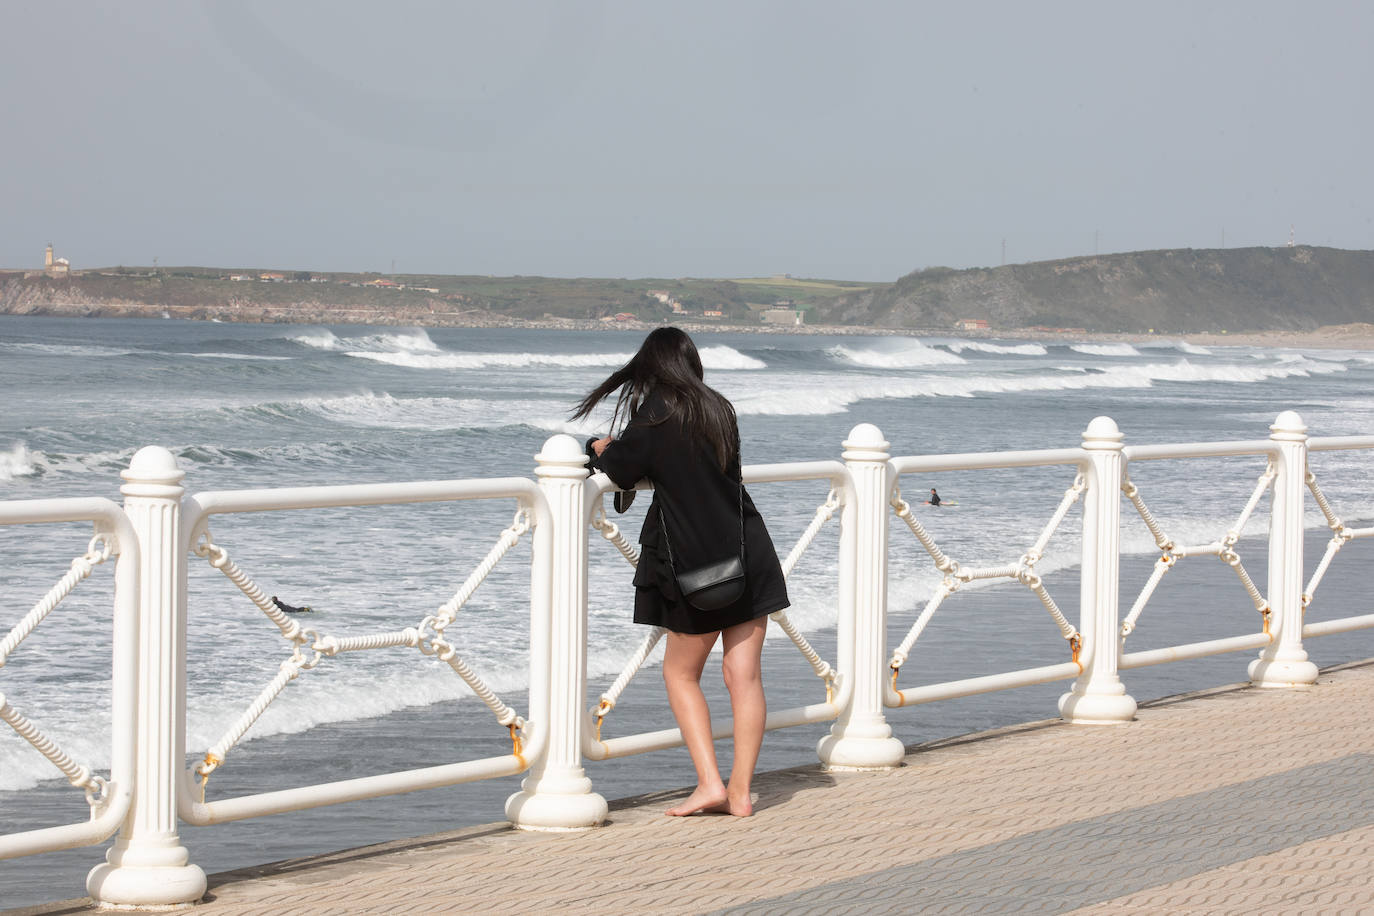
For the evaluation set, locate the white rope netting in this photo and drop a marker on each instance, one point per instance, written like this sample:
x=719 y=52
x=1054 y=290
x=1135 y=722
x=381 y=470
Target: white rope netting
x=1172 y=552
x=956 y=576
x=428 y=636
x=99 y=550
x=1341 y=534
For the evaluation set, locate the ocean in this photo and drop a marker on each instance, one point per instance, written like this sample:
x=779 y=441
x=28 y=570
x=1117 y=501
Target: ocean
x=281 y=405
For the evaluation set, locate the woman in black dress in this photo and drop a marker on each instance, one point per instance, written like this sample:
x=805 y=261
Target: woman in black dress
x=683 y=436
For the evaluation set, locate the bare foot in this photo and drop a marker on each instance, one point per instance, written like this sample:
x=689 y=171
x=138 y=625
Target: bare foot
x=739 y=807
x=701 y=801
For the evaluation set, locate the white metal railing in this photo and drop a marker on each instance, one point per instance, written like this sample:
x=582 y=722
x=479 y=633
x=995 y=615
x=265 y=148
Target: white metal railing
x=109 y=796
x=1224 y=548
x=160 y=529
x=955 y=575
x=427 y=635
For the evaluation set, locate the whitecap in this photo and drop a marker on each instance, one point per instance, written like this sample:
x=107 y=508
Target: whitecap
x=910 y=355
x=450 y=360
x=1193 y=349
x=69 y=349
x=320 y=340
x=1115 y=349
x=723 y=357
x=977 y=346
x=248 y=356
x=794 y=394
x=415 y=340
x=17 y=462
x=716 y=358
x=386 y=411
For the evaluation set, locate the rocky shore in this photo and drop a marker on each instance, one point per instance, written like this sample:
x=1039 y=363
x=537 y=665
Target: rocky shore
x=1355 y=336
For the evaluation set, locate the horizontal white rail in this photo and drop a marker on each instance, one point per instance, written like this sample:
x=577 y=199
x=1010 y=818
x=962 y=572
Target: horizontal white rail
x=1200 y=450
x=351 y=495
x=1344 y=625
x=644 y=742
x=967 y=687
x=1147 y=657
x=333 y=793
x=1339 y=443
x=986 y=461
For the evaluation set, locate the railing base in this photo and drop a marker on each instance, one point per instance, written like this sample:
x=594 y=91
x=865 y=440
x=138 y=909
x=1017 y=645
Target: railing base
x=1097 y=708
x=146 y=885
x=1282 y=673
x=850 y=752
x=548 y=811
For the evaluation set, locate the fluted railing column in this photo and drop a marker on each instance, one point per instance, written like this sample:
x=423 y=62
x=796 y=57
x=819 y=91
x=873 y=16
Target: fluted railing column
x=557 y=795
x=147 y=865
x=861 y=738
x=1098 y=697
x=1283 y=663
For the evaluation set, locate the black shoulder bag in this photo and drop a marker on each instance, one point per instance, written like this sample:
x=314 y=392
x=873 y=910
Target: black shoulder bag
x=715 y=585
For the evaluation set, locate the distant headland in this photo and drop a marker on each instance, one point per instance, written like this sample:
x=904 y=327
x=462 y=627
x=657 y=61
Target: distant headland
x=1220 y=292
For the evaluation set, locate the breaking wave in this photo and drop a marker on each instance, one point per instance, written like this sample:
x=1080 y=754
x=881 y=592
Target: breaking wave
x=911 y=355
x=1116 y=349
x=977 y=346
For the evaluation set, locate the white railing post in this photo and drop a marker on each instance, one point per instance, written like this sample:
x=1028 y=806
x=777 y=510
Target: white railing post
x=557 y=795
x=147 y=865
x=1283 y=663
x=1098 y=697
x=861 y=739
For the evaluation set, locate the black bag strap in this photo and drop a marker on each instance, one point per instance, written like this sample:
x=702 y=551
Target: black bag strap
x=663 y=527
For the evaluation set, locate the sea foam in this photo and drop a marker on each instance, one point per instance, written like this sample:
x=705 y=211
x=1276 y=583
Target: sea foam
x=17 y=462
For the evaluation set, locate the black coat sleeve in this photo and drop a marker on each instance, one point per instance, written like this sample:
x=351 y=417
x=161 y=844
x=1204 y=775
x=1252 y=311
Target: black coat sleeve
x=630 y=457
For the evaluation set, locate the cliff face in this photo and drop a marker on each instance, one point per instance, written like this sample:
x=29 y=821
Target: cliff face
x=1176 y=290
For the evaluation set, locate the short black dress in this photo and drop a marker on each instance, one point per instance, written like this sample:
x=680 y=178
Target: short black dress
x=699 y=504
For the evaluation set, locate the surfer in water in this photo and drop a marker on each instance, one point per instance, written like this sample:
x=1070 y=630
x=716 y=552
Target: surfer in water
x=934 y=498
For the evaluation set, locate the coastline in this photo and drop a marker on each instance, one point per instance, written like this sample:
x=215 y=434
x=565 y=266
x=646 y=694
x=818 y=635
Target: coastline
x=1354 y=336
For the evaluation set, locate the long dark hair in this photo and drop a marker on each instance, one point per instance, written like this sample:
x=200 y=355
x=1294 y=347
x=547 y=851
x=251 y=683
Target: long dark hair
x=668 y=364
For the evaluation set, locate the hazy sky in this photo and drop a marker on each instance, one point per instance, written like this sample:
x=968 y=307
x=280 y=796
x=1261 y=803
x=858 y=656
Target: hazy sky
x=849 y=140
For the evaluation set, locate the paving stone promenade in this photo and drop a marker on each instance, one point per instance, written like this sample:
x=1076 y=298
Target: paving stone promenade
x=1233 y=800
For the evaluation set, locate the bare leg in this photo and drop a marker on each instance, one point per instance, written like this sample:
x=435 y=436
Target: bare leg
x=744 y=679
x=683 y=660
